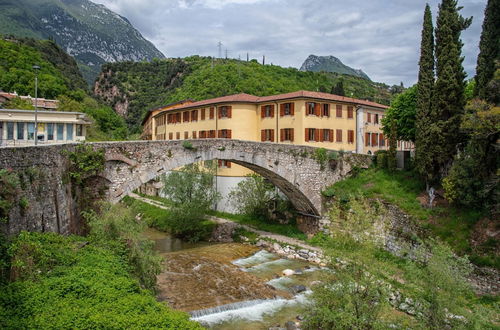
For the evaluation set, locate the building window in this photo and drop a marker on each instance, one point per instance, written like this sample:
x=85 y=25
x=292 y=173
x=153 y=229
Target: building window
x=60 y=132
x=178 y=117
x=224 y=111
x=326 y=110
x=10 y=131
x=222 y=163
x=350 y=136
x=286 y=134
x=170 y=136
x=367 y=139
x=374 y=139
x=203 y=114
x=339 y=135
x=339 y=111
x=267 y=135
x=267 y=111
x=185 y=116
x=212 y=111
x=178 y=135
x=79 y=130
x=286 y=109
x=31 y=131
x=194 y=115
x=327 y=135
x=211 y=134
x=312 y=134
x=224 y=134
x=369 y=117
x=350 y=112
x=20 y=131
x=375 y=120
x=381 y=139
x=186 y=135
x=50 y=131
x=194 y=134
x=312 y=109
x=69 y=132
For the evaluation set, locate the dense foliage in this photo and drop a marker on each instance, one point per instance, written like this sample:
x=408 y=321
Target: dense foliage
x=402 y=112
x=148 y=85
x=489 y=53
x=84 y=282
x=59 y=78
x=192 y=192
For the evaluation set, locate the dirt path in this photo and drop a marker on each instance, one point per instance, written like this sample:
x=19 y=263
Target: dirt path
x=264 y=234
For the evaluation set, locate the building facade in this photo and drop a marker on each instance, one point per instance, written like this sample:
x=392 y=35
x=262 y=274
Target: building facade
x=40 y=103
x=17 y=127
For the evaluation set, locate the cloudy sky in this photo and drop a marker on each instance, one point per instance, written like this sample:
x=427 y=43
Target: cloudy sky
x=381 y=37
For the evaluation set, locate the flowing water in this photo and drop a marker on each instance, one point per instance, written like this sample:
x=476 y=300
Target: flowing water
x=231 y=285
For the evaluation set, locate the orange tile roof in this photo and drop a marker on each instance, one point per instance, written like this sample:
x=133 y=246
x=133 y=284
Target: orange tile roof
x=247 y=98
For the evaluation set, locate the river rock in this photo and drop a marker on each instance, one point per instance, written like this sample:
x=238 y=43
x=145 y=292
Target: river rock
x=290 y=325
x=298 y=289
x=288 y=272
x=299 y=272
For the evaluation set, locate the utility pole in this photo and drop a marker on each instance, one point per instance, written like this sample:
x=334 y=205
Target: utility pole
x=248 y=57
x=219 y=45
x=36 y=68
x=263 y=59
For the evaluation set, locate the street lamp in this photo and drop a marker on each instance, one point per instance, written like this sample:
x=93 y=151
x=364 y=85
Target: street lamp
x=36 y=68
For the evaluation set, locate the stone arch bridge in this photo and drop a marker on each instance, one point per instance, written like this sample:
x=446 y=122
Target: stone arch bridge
x=295 y=170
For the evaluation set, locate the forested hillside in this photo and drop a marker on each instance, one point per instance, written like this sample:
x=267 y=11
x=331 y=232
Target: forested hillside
x=133 y=88
x=59 y=78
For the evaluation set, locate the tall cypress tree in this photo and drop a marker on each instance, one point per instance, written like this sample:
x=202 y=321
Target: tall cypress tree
x=448 y=100
x=424 y=160
x=489 y=49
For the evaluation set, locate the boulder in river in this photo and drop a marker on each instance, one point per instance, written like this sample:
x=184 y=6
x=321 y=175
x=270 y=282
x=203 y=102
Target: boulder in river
x=298 y=289
x=288 y=272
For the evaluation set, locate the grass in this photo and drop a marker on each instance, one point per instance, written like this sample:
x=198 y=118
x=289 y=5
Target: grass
x=289 y=230
x=450 y=224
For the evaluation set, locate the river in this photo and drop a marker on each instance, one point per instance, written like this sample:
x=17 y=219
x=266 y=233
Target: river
x=231 y=285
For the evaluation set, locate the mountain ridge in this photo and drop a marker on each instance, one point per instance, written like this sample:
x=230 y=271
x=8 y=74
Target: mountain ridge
x=332 y=64
x=89 y=32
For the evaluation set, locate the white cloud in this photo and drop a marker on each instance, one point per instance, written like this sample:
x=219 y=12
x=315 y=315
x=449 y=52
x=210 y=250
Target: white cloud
x=381 y=37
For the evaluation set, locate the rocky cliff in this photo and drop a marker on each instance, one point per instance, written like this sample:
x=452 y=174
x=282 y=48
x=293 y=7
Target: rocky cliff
x=330 y=64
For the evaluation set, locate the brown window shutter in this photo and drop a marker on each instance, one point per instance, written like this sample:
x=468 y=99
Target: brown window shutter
x=291 y=134
x=230 y=111
x=219 y=162
x=317 y=109
x=211 y=112
x=367 y=139
x=282 y=109
x=272 y=135
x=219 y=133
x=272 y=111
x=263 y=111
x=194 y=134
x=316 y=135
x=339 y=135
x=263 y=135
x=282 y=135
x=219 y=114
x=321 y=135
x=331 y=135
x=203 y=114
x=350 y=111
x=381 y=139
x=374 y=139
x=338 y=111
x=292 y=108
x=229 y=134
x=307 y=135
x=228 y=164
x=369 y=115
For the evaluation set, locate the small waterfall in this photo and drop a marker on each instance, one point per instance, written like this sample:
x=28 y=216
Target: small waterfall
x=251 y=310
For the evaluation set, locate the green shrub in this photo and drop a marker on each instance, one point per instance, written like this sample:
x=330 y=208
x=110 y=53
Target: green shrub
x=9 y=191
x=80 y=285
x=188 y=145
x=381 y=159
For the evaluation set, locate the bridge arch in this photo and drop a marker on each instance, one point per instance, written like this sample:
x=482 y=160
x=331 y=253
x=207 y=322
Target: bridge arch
x=293 y=169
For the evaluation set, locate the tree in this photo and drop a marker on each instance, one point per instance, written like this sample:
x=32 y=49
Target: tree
x=19 y=103
x=448 y=100
x=338 y=89
x=402 y=112
x=489 y=50
x=351 y=299
x=192 y=192
x=391 y=154
x=473 y=180
x=424 y=161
